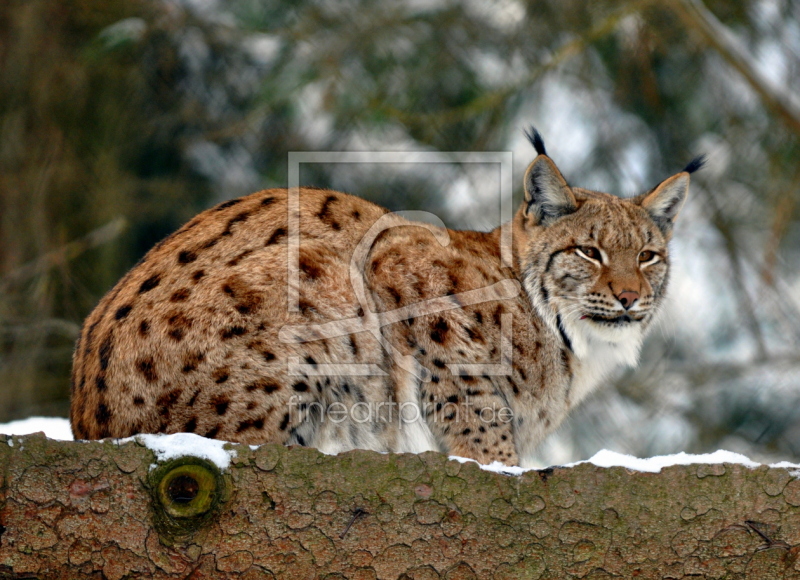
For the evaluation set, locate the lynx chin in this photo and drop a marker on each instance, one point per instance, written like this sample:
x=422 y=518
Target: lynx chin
x=405 y=337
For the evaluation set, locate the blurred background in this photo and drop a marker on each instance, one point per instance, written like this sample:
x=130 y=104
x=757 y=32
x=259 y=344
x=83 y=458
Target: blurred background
x=121 y=119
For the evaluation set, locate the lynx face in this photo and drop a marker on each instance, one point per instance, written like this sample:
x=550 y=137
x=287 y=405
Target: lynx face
x=605 y=283
x=596 y=266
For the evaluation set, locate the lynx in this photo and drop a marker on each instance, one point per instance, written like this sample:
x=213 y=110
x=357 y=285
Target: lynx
x=317 y=318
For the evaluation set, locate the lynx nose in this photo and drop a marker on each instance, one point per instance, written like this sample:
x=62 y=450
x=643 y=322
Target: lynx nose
x=627 y=298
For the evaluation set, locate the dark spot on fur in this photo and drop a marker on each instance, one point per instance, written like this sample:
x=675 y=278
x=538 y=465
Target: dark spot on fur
x=227 y=204
x=105 y=352
x=395 y=294
x=211 y=433
x=434 y=379
x=178 y=325
x=102 y=415
x=190 y=426
x=247 y=299
x=100 y=383
x=235 y=261
x=300 y=386
x=466 y=431
x=268 y=387
x=150 y=283
x=197 y=275
x=474 y=335
x=439 y=332
x=138 y=401
x=454 y=283
x=325 y=212
x=230 y=332
x=267 y=201
x=221 y=375
x=238 y=218
x=250 y=424
x=310 y=360
x=306 y=307
x=276 y=236
x=452 y=399
x=309 y=269
x=176 y=334
x=122 y=312
x=87 y=347
x=211 y=243
x=498 y=312
x=194 y=398
x=187 y=257
x=356 y=215
x=191 y=361
x=220 y=404
x=284 y=422
x=167 y=400
x=438 y=363
x=144 y=328
x=147 y=367
x=180 y=295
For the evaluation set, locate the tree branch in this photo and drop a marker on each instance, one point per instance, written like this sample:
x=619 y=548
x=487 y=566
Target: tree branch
x=696 y=16
x=82 y=509
x=70 y=251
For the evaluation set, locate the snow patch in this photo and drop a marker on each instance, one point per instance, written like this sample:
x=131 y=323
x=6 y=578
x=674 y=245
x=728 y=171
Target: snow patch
x=494 y=466
x=176 y=445
x=168 y=447
x=606 y=458
x=52 y=427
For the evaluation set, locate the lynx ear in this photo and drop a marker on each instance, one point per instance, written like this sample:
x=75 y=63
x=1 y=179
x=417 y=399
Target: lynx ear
x=665 y=201
x=547 y=195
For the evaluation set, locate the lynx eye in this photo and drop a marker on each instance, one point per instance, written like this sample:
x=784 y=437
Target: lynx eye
x=646 y=256
x=590 y=252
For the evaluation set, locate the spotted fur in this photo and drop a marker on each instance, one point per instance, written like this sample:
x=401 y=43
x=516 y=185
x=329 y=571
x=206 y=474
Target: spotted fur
x=200 y=337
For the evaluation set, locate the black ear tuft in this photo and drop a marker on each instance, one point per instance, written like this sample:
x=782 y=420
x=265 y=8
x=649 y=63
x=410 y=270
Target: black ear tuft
x=695 y=164
x=536 y=140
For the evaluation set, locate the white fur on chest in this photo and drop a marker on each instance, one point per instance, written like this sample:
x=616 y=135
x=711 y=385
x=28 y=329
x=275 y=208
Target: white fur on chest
x=598 y=356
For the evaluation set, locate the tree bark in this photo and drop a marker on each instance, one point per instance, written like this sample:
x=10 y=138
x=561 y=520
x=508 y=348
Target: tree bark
x=103 y=510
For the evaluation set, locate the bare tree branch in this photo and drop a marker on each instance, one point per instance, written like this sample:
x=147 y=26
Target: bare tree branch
x=696 y=16
x=70 y=251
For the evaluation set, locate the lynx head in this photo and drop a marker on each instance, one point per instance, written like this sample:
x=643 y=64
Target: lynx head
x=594 y=265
